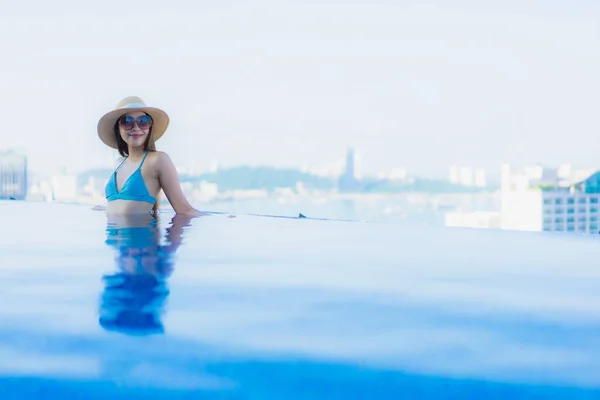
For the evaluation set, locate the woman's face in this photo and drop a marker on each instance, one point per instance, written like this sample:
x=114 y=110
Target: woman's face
x=134 y=128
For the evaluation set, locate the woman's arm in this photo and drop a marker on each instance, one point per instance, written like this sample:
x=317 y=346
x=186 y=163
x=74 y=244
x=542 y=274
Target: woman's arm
x=169 y=182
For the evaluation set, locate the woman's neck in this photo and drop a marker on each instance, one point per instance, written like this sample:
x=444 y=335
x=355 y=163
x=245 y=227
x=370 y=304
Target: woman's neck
x=136 y=154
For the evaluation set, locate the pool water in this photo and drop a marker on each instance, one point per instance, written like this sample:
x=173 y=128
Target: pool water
x=261 y=307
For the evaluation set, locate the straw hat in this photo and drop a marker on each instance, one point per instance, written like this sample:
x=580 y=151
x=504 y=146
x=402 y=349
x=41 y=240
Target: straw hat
x=106 y=124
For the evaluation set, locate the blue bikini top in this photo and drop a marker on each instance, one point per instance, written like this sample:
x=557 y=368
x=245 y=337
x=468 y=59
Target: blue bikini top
x=134 y=187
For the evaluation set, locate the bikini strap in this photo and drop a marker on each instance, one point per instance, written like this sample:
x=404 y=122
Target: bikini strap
x=143 y=158
x=124 y=158
x=140 y=166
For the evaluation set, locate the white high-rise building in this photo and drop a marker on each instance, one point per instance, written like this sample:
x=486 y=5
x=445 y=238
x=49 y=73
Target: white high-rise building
x=64 y=187
x=538 y=199
x=467 y=176
x=479 y=178
x=454 y=174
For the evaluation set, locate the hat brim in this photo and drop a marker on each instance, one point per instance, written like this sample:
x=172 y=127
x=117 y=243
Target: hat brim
x=106 y=124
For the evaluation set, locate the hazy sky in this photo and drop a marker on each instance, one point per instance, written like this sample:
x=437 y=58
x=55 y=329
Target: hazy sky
x=421 y=84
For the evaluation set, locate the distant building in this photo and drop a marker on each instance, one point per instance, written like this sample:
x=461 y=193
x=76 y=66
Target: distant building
x=467 y=176
x=64 y=187
x=347 y=181
x=13 y=176
x=394 y=175
x=474 y=219
x=540 y=199
x=536 y=199
x=479 y=178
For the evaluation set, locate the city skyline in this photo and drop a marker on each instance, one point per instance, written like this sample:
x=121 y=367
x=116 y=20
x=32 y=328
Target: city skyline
x=413 y=85
x=333 y=168
x=524 y=200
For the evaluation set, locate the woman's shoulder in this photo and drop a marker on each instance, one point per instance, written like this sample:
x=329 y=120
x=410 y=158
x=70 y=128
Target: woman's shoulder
x=157 y=155
x=159 y=158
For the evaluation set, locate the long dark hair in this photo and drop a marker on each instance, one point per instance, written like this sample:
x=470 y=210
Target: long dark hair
x=124 y=152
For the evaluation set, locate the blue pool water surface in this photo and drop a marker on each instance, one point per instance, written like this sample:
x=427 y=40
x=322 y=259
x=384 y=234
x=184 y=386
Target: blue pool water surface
x=255 y=308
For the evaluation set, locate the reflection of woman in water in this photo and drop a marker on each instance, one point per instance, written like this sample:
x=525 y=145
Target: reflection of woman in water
x=134 y=297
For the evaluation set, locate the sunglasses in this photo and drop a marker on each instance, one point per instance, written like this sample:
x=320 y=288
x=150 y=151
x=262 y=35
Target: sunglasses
x=127 y=122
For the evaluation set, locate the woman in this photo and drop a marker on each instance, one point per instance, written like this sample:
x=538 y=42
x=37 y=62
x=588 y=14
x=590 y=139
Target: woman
x=134 y=187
